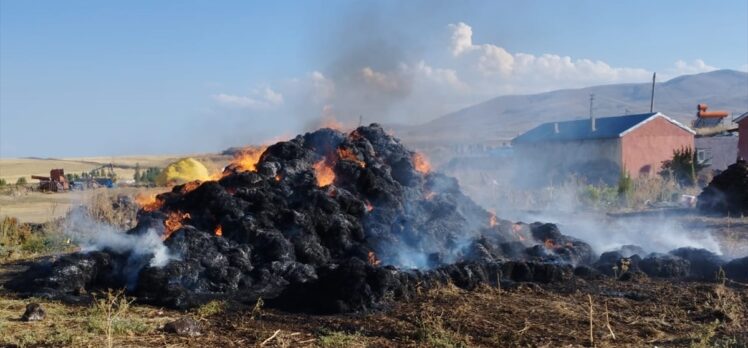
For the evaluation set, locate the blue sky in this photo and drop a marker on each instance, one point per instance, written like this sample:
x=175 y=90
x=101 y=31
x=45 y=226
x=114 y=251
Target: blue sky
x=81 y=78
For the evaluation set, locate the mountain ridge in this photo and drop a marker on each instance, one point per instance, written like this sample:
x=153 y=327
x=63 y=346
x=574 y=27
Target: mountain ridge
x=502 y=118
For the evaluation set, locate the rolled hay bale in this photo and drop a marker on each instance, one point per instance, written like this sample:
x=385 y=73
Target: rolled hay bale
x=182 y=171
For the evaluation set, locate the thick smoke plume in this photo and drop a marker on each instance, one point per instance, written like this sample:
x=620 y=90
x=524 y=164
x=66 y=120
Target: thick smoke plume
x=143 y=249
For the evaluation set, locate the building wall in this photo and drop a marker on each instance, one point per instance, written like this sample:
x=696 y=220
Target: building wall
x=720 y=151
x=553 y=162
x=743 y=141
x=645 y=148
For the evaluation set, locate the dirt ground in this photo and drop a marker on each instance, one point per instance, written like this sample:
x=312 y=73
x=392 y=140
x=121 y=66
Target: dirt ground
x=578 y=313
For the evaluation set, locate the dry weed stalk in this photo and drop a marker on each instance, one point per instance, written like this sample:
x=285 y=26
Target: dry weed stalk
x=524 y=329
x=607 y=321
x=256 y=313
x=112 y=307
x=592 y=334
x=270 y=338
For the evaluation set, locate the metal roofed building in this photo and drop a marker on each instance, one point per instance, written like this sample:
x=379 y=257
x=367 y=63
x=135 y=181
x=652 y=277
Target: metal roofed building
x=600 y=148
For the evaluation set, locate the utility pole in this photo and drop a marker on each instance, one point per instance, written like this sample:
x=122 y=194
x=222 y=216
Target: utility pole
x=592 y=116
x=652 y=100
x=360 y=120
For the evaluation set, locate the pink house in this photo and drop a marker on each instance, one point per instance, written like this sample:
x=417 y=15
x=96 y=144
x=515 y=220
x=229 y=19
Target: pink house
x=742 y=122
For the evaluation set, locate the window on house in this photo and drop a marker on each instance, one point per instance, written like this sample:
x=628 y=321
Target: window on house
x=703 y=156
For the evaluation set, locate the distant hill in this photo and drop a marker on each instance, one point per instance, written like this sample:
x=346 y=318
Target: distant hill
x=502 y=118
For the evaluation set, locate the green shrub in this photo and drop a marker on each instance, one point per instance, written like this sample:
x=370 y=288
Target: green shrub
x=625 y=184
x=149 y=175
x=682 y=167
x=211 y=308
x=18 y=239
x=21 y=181
x=599 y=196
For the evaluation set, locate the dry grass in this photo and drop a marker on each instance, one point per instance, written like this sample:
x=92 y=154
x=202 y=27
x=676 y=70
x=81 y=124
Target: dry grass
x=109 y=206
x=78 y=326
x=653 y=189
x=668 y=315
x=39 y=207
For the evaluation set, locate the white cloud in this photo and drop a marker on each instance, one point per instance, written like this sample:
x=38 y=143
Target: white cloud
x=265 y=98
x=490 y=60
x=462 y=38
x=694 y=67
x=441 y=76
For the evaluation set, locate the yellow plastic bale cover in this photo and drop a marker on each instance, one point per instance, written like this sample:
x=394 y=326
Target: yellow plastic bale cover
x=185 y=170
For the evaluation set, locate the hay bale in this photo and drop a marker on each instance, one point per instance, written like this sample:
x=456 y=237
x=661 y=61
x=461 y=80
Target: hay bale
x=182 y=171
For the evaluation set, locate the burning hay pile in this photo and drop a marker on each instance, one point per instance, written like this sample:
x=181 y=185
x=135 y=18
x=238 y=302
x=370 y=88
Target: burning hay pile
x=326 y=222
x=728 y=191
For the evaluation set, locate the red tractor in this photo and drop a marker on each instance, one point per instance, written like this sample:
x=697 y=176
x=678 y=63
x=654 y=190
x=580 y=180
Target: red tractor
x=55 y=182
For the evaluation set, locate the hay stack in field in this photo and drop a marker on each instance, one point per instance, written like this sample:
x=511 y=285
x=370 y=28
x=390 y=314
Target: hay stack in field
x=182 y=171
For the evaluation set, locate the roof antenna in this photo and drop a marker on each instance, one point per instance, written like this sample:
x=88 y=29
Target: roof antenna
x=652 y=100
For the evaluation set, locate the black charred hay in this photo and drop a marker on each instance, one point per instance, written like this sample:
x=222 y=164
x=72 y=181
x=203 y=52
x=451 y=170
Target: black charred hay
x=380 y=229
x=728 y=191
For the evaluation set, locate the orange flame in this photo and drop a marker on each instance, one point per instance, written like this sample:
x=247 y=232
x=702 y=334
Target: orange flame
x=421 y=163
x=331 y=122
x=373 y=260
x=190 y=186
x=492 y=220
x=218 y=231
x=517 y=229
x=549 y=244
x=148 y=202
x=348 y=155
x=278 y=177
x=246 y=159
x=369 y=207
x=173 y=222
x=324 y=174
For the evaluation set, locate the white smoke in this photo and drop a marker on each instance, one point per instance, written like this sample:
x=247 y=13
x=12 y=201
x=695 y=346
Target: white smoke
x=94 y=235
x=656 y=233
x=521 y=198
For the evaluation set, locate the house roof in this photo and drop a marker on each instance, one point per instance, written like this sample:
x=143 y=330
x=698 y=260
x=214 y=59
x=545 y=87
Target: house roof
x=744 y=116
x=606 y=128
